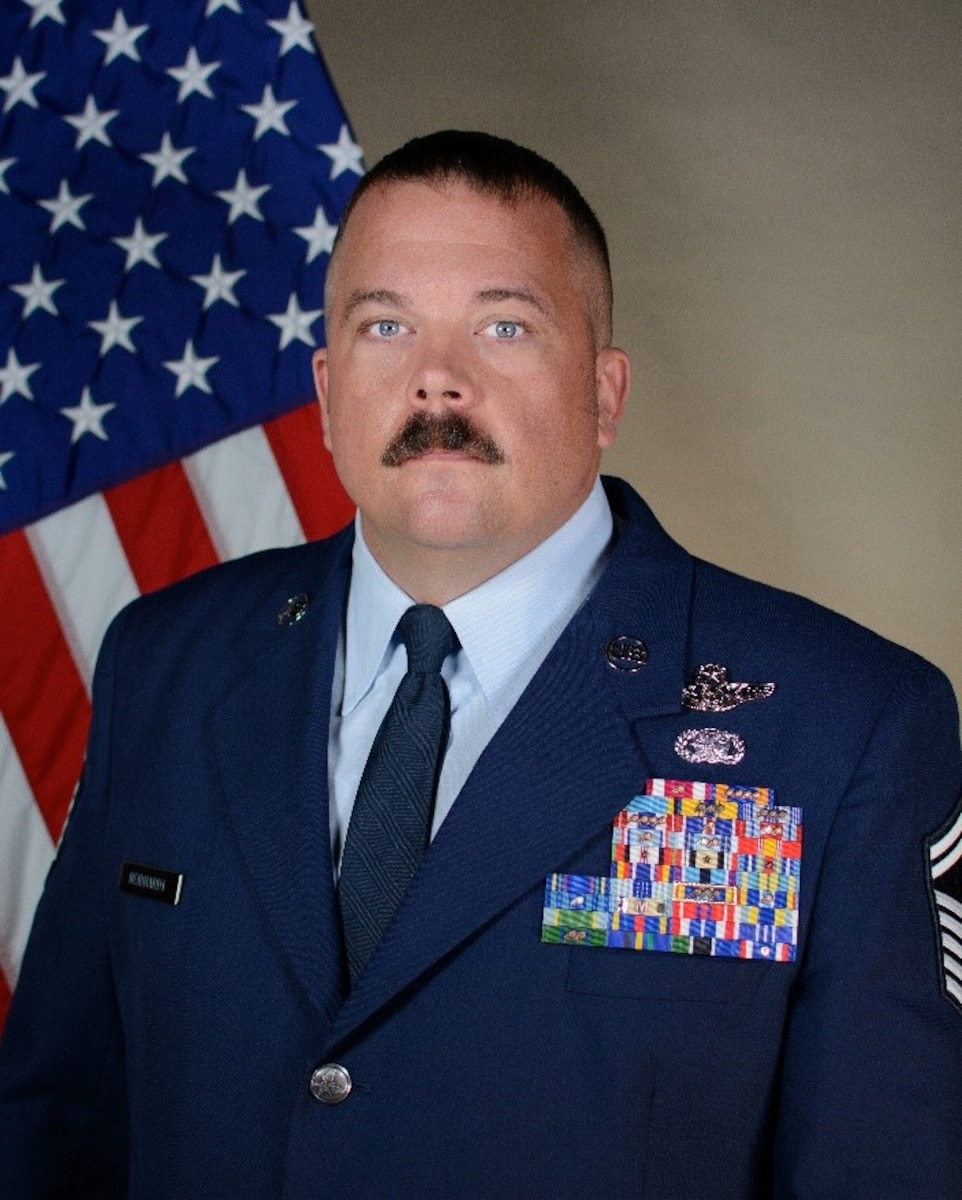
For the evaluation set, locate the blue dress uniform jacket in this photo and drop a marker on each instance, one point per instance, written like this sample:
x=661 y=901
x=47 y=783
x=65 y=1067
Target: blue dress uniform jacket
x=165 y=1051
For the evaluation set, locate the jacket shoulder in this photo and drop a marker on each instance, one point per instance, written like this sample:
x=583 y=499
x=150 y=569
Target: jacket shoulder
x=758 y=623
x=248 y=591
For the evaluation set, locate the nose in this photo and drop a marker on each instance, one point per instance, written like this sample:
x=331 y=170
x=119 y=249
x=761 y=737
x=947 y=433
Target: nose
x=441 y=376
x=423 y=393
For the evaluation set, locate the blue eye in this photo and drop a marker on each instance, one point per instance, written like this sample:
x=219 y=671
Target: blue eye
x=387 y=329
x=506 y=329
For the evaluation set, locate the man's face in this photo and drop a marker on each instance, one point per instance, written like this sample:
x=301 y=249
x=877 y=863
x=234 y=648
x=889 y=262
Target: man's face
x=461 y=392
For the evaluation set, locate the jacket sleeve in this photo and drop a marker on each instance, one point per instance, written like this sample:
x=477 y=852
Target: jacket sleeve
x=63 y=1123
x=871 y=1094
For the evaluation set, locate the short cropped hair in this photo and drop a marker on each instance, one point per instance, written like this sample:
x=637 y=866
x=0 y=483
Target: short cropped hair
x=497 y=167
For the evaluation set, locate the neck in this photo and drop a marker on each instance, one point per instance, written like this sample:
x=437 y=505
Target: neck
x=432 y=576
x=431 y=571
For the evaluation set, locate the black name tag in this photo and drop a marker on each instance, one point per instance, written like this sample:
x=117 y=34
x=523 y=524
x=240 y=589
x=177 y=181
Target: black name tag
x=151 y=882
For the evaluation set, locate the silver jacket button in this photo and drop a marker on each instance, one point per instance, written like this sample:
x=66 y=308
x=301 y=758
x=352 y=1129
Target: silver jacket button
x=331 y=1084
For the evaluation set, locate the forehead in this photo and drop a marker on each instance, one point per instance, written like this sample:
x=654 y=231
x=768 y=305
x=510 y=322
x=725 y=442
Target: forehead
x=418 y=223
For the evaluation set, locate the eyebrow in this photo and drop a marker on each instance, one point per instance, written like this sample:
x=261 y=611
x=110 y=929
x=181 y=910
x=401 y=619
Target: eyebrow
x=525 y=295
x=492 y=295
x=371 y=296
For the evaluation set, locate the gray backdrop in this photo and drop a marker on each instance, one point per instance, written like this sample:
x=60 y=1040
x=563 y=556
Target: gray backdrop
x=780 y=182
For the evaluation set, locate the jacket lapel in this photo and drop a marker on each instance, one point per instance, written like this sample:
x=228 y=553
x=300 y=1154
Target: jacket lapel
x=556 y=773
x=271 y=739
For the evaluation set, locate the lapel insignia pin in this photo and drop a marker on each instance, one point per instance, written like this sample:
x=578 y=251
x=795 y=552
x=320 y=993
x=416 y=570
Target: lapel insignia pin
x=710 y=746
x=294 y=609
x=713 y=692
x=626 y=653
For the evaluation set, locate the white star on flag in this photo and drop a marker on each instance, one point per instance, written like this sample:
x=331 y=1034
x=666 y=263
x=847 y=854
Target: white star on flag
x=46 y=9
x=87 y=417
x=15 y=377
x=19 y=86
x=168 y=163
x=295 y=324
x=319 y=235
x=269 y=114
x=5 y=165
x=214 y=5
x=193 y=76
x=219 y=284
x=5 y=457
x=65 y=210
x=91 y=124
x=115 y=330
x=121 y=38
x=295 y=30
x=243 y=199
x=345 y=154
x=38 y=293
x=190 y=370
x=140 y=246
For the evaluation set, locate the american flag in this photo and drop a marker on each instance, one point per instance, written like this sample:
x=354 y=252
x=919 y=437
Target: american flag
x=171 y=175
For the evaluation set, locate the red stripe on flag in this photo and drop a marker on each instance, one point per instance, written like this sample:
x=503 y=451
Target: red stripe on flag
x=42 y=696
x=321 y=504
x=161 y=527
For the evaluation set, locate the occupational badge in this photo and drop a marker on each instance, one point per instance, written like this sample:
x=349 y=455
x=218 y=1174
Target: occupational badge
x=714 y=692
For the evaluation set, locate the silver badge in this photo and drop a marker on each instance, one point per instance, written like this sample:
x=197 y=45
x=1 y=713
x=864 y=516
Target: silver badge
x=710 y=746
x=712 y=690
x=294 y=609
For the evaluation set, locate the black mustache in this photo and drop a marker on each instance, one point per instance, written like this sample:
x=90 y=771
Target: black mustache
x=451 y=431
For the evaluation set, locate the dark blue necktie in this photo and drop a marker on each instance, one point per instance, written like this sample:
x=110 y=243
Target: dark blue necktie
x=390 y=823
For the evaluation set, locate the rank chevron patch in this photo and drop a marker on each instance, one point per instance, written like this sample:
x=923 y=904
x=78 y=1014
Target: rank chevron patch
x=945 y=861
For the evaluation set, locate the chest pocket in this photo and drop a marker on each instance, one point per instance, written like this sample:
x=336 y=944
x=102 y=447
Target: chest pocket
x=672 y=978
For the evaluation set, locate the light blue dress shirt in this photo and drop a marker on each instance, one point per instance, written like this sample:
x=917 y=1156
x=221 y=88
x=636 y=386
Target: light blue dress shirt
x=506 y=628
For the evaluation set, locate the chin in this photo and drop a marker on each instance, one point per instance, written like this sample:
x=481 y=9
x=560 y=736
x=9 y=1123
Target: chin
x=447 y=518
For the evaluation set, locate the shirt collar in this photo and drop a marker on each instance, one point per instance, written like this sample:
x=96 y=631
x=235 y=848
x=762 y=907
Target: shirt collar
x=510 y=619
x=375 y=604
x=514 y=618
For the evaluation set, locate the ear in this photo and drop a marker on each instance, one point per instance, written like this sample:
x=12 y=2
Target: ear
x=612 y=382
x=319 y=367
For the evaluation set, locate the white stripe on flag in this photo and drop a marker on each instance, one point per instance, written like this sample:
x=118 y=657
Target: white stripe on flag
x=26 y=852
x=84 y=566
x=242 y=495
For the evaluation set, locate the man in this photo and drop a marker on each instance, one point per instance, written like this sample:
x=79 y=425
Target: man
x=686 y=923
